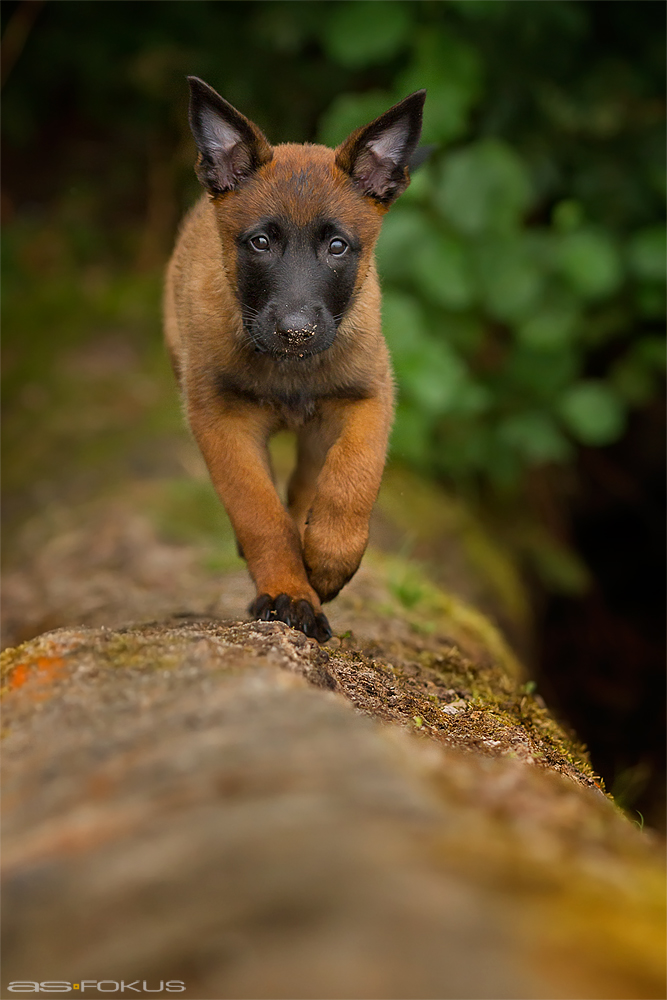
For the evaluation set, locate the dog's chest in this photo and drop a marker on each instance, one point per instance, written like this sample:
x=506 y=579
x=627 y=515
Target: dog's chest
x=295 y=410
x=293 y=405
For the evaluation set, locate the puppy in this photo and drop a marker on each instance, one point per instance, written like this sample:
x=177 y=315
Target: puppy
x=272 y=321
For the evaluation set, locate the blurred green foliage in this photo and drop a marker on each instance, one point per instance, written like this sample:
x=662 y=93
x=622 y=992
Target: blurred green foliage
x=524 y=268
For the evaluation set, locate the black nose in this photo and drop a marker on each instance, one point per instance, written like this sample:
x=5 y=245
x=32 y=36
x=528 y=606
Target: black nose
x=296 y=326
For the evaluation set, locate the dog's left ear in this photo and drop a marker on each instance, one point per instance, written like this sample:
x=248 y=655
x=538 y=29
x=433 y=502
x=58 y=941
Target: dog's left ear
x=376 y=156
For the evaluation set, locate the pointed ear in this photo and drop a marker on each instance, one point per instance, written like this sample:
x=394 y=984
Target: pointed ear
x=230 y=146
x=376 y=156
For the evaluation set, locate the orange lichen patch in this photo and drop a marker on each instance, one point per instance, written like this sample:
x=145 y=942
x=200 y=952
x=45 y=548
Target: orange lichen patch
x=43 y=670
x=18 y=676
x=39 y=661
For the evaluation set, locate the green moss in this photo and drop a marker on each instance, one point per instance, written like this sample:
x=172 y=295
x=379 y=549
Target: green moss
x=409 y=590
x=471 y=688
x=426 y=512
x=437 y=612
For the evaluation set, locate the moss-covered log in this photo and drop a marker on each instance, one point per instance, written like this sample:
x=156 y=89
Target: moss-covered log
x=233 y=806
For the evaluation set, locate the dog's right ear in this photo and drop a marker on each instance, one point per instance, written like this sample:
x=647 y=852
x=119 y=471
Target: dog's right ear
x=230 y=146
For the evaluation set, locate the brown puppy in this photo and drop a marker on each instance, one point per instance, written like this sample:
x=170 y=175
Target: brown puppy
x=272 y=320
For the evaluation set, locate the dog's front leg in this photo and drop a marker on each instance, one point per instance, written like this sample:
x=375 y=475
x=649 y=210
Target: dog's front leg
x=233 y=439
x=336 y=531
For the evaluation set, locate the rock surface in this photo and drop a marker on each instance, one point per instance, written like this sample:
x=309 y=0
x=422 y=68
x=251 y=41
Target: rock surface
x=219 y=804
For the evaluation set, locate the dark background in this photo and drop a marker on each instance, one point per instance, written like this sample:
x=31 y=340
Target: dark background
x=523 y=274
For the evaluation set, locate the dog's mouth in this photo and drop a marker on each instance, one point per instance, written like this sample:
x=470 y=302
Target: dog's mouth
x=289 y=352
x=295 y=347
x=291 y=337
x=294 y=354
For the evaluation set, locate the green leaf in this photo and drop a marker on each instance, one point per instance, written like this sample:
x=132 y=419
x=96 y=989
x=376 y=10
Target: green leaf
x=429 y=372
x=441 y=270
x=510 y=277
x=462 y=446
x=440 y=56
x=493 y=10
x=403 y=324
x=538 y=375
x=554 y=324
x=501 y=463
x=410 y=439
x=632 y=381
x=535 y=436
x=472 y=398
x=589 y=261
x=446 y=112
x=419 y=188
x=635 y=376
x=647 y=253
x=438 y=263
x=567 y=215
x=651 y=300
x=593 y=412
x=465 y=332
x=348 y=112
x=651 y=351
x=365 y=32
x=434 y=377
x=402 y=231
x=451 y=72
x=484 y=188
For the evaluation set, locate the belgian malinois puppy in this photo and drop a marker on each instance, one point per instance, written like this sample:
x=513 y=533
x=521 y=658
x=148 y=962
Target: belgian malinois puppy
x=272 y=320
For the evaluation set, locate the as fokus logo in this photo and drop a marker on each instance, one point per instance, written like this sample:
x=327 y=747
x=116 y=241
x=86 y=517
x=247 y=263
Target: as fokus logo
x=101 y=985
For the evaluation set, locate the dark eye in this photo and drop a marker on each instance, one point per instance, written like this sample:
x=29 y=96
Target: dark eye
x=260 y=243
x=337 y=247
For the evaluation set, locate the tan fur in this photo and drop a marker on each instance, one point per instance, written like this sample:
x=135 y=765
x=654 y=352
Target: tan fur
x=310 y=549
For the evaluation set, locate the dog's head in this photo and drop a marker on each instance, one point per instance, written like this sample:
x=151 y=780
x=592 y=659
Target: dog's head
x=298 y=223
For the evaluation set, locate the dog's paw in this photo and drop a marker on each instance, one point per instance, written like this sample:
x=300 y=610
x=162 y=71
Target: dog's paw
x=298 y=613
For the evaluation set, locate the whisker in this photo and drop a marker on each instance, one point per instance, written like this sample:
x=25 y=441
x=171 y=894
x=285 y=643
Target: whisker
x=254 y=339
